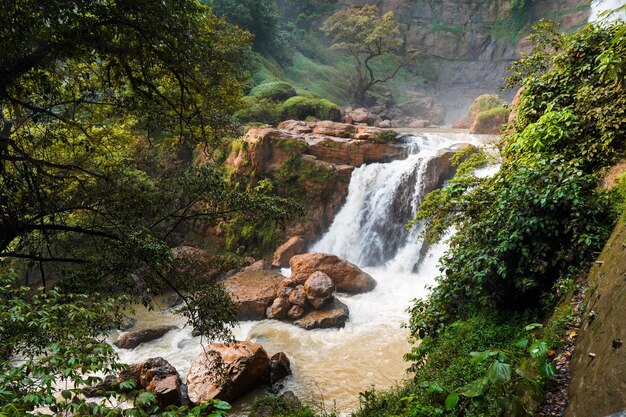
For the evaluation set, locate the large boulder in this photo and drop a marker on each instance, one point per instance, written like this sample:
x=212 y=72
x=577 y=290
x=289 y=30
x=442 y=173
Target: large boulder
x=294 y=246
x=335 y=129
x=360 y=115
x=335 y=314
x=227 y=372
x=319 y=289
x=279 y=367
x=490 y=122
x=130 y=340
x=346 y=276
x=252 y=292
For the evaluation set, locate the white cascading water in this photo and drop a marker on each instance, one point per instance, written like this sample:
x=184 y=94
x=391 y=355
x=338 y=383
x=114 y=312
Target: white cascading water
x=599 y=8
x=336 y=364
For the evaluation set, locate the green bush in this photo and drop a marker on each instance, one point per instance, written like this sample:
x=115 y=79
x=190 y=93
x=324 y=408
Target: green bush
x=275 y=91
x=496 y=112
x=485 y=102
x=259 y=110
x=301 y=107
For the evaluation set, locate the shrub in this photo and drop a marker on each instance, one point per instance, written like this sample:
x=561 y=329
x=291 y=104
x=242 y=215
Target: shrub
x=484 y=103
x=496 y=112
x=301 y=107
x=258 y=110
x=276 y=91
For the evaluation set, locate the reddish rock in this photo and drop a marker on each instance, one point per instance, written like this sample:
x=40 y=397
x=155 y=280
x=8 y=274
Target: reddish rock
x=295 y=312
x=284 y=292
x=298 y=296
x=489 y=123
x=158 y=376
x=515 y=104
x=294 y=246
x=351 y=151
x=334 y=315
x=297 y=126
x=346 y=276
x=319 y=289
x=252 y=292
x=226 y=372
x=131 y=340
x=335 y=129
x=278 y=310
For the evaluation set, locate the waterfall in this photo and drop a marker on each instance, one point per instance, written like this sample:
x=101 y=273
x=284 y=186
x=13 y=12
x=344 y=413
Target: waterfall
x=370 y=228
x=598 y=7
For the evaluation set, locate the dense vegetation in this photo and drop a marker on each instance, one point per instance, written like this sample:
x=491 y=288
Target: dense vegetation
x=522 y=236
x=102 y=105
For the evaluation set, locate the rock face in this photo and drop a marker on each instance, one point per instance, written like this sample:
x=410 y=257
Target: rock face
x=131 y=340
x=333 y=315
x=317 y=158
x=345 y=276
x=294 y=246
x=598 y=386
x=227 y=372
x=252 y=292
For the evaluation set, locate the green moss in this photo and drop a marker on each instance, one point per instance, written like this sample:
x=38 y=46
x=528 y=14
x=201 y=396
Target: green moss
x=486 y=102
x=301 y=107
x=496 y=112
x=292 y=145
x=259 y=110
x=386 y=135
x=275 y=91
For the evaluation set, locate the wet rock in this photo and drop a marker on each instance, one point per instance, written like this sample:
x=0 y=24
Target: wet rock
x=158 y=376
x=278 y=310
x=294 y=246
x=155 y=375
x=319 y=289
x=346 y=276
x=295 y=312
x=131 y=340
x=279 y=367
x=226 y=372
x=252 y=292
x=298 y=296
x=333 y=315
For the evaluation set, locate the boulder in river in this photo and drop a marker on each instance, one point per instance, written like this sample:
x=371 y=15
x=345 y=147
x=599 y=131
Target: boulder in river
x=346 y=276
x=229 y=371
x=279 y=367
x=279 y=308
x=335 y=314
x=131 y=340
x=252 y=292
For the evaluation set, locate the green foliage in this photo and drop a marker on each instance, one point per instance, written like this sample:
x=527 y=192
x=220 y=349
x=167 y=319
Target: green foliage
x=365 y=36
x=301 y=107
x=259 y=110
x=276 y=91
x=282 y=407
x=485 y=102
x=573 y=97
x=495 y=113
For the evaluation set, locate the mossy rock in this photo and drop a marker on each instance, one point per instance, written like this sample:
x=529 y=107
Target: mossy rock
x=258 y=110
x=301 y=108
x=276 y=91
x=484 y=103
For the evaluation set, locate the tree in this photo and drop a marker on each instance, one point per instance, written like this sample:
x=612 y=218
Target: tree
x=366 y=36
x=101 y=106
